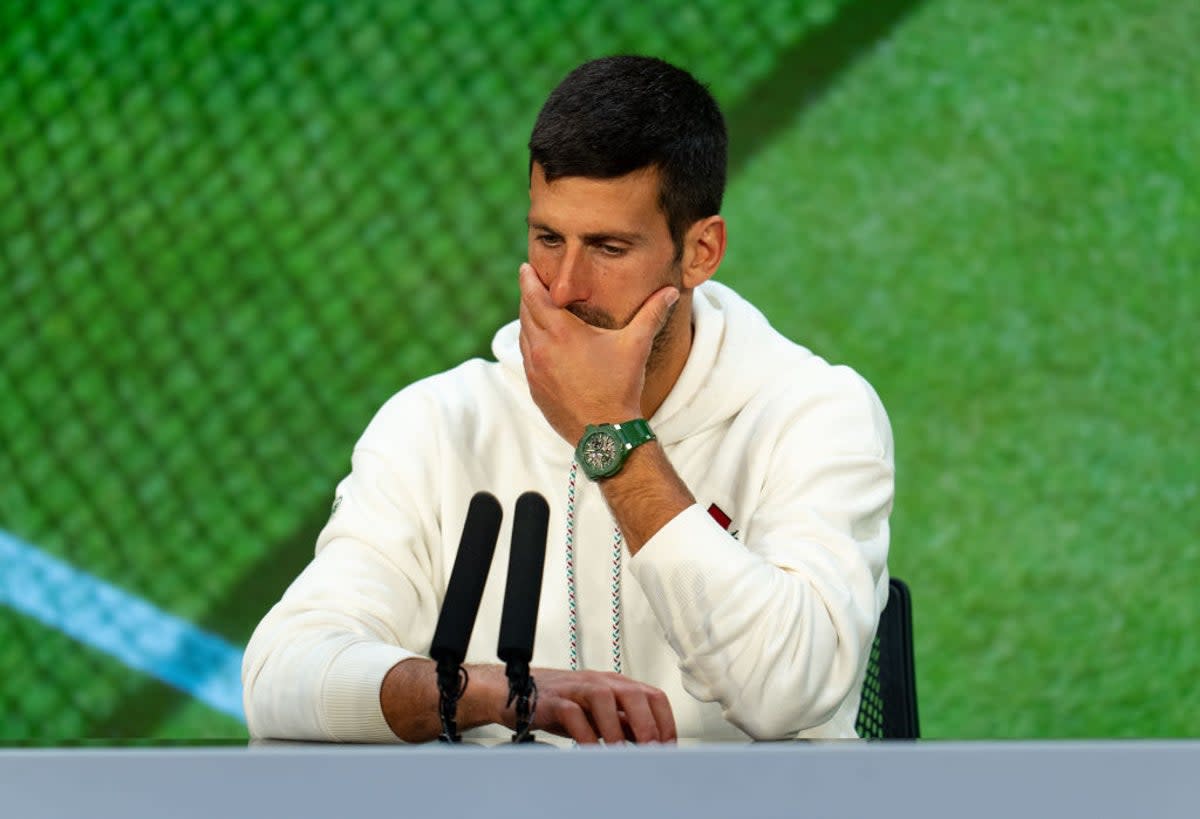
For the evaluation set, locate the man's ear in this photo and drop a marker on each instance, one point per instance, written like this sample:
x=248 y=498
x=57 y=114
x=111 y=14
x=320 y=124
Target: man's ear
x=703 y=250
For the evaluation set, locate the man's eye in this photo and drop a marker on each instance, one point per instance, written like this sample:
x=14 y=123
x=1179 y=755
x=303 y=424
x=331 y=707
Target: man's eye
x=549 y=240
x=612 y=250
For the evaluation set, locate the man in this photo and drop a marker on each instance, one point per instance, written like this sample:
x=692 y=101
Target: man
x=716 y=574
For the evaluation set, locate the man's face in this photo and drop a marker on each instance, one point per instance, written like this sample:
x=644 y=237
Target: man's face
x=601 y=246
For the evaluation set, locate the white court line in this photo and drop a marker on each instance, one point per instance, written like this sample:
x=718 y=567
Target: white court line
x=121 y=625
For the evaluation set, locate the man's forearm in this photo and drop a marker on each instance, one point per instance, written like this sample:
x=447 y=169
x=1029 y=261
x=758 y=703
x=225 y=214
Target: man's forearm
x=645 y=495
x=409 y=698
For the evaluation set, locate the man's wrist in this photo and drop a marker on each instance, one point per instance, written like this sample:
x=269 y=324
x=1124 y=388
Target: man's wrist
x=487 y=692
x=409 y=699
x=645 y=495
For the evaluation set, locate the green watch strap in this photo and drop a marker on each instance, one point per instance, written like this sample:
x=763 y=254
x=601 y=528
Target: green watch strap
x=635 y=432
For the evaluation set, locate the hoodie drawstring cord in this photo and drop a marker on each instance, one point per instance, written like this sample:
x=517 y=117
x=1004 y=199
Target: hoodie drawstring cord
x=572 y=609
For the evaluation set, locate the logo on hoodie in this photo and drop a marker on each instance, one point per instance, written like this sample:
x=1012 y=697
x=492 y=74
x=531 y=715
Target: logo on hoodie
x=723 y=520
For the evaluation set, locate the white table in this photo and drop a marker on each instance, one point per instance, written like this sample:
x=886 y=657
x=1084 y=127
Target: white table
x=852 y=779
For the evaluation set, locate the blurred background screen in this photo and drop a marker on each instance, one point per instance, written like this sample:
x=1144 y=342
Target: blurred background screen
x=230 y=230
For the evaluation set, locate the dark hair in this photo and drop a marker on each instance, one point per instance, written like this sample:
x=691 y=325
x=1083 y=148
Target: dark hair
x=615 y=115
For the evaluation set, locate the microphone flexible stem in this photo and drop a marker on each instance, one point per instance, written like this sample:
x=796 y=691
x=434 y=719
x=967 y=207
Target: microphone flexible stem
x=523 y=691
x=452 y=681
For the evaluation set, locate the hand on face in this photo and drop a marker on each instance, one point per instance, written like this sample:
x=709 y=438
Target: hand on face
x=592 y=705
x=580 y=374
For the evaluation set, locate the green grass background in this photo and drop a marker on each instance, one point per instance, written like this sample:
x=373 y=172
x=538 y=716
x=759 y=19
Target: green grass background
x=229 y=231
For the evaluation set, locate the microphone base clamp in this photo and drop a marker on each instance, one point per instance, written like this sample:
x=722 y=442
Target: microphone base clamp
x=522 y=691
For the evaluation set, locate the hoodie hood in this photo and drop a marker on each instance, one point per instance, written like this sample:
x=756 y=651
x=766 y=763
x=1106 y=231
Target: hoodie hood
x=734 y=352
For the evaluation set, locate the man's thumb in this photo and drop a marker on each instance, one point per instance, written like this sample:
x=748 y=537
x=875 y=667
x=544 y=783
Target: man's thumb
x=654 y=313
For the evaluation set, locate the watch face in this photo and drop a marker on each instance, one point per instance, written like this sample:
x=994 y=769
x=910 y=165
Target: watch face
x=600 y=450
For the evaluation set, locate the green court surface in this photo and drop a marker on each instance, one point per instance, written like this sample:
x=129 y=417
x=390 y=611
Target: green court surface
x=229 y=231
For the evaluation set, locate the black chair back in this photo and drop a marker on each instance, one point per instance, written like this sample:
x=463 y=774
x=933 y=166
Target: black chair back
x=889 y=697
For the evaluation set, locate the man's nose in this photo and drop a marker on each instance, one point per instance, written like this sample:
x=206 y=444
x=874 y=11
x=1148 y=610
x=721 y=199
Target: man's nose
x=571 y=278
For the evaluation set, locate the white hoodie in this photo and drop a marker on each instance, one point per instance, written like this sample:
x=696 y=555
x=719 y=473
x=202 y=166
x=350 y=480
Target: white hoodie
x=759 y=629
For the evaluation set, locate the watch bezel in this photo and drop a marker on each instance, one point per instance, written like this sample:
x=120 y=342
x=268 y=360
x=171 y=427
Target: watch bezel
x=614 y=463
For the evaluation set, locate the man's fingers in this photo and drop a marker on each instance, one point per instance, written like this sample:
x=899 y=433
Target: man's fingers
x=528 y=324
x=523 y=343
x=535 y=298
x=575 y=722
x=639 y=719
x=589 y=706
x=660 y=706
x=602 y=706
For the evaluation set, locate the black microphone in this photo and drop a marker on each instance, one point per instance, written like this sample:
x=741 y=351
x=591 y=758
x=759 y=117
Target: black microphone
x=518 y=622
x=461 y=604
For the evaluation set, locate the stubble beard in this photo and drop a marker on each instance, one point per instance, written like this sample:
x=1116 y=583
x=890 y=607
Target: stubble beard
x=662 y=339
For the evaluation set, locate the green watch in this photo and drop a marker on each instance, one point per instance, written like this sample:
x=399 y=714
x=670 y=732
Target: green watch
x=604 y=447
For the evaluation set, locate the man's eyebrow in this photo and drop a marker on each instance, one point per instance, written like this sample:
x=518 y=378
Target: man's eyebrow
x=631 y=238
x=600 y=238
x=539 y=226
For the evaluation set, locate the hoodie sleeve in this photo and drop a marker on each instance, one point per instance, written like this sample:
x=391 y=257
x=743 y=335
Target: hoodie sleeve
x=314 y=666
x=777 y=627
